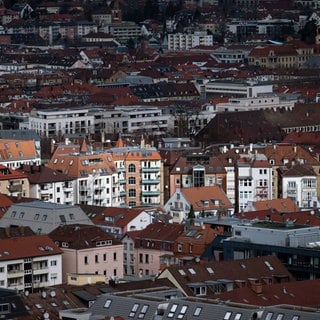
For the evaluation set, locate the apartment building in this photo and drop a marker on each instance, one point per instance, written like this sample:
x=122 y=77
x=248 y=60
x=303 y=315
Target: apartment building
x=95 y=174
x=182 y=41
x=237 y=88
x=149 y=250
x=254 y=179
x=87 y=249
x=197 y=170
x=123 y=30
x=42 y=217
x=49 y=185
x=15 y=153
x=13 y=182
x=135 y=119
x=140 y=175
x=29 y=263
x=203 y=201
x=299 y=183
x=58 y=122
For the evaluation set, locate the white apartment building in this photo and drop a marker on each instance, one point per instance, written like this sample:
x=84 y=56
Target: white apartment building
x=30 y=263
x=299 y=183
x=95 y=175
x=182 y=41
x=53 y=122
x=124 y=119
x=225 y=55
x=237 y=89
x=48 y=185
x=254 y=179
x=255 y=103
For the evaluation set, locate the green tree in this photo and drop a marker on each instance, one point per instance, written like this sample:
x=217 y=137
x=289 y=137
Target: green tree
x=191 y=214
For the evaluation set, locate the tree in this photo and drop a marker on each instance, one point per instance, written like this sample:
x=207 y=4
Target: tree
x=309 y=32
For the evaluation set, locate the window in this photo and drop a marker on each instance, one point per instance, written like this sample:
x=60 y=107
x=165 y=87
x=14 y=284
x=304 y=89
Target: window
x=104 y=257
x=13 y=214
x=21 y=215
x=172 y=310
x=238 y=316
x=295 y=318
x=197 y=311
x=147 y=258
x=179 y=247
x=1 y=269
x=131 y=168
x=143 y=311
x=71 y=216
x=132 y=180
x=182 y=312
x=132 y=192
x=269 y=316
x=85 y=260
x=114 y=256
x=44 y=217
x=62 y=218
x=280 y=316
x=227 y=316
x=96 y=258
x=140 y=257
x=107 y=304
x=134 y=310
x=36 y=216
x=4 y=308
x=53 y=263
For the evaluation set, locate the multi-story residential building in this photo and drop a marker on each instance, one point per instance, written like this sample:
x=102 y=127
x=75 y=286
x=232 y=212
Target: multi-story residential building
x=204 y=201
x=296 y=246
x=118 y=221
x=254 y=179
x=299 y=183
x=15 y=153
x=135 y=119
x=13 y=182
x=58 y=122
x=260 y=102
x=140 y=175
x=230 y=55
x=87 y=249
x=42 y=217
x=95 y=174
x=147 y=251
x=197 y=170
x=29 y=263
x=275 y=56
x=182 y=41
x=123 y=30
x=49 y=185
x=237 y=89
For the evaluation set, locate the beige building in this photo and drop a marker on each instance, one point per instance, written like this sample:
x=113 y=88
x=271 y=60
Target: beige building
x=13 y=183
x=88 y=250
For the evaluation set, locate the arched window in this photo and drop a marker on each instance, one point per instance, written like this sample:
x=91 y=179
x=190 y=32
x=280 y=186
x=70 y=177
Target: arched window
x=132 y=168
x=132 y=180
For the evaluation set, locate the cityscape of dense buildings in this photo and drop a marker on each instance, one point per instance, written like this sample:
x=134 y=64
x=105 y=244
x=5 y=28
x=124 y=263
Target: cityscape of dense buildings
x=160 y=160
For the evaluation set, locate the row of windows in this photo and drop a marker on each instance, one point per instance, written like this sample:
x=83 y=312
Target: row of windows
x=96 y=258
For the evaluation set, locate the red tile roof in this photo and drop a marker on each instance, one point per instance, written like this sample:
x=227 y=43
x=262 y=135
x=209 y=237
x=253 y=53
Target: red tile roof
x=27 y=247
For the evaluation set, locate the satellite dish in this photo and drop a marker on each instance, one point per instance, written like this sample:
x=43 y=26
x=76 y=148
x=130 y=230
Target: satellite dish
x=52 y=294
x=26 y=293
x=46 y=315
x=312 y=212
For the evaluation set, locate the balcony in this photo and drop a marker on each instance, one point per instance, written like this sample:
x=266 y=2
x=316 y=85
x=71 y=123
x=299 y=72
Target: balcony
x=15 y=274
x=15 y=188
x=151 y=193
x=122 y=193
x=150 y=181
x=17 y=286
x=150 y=169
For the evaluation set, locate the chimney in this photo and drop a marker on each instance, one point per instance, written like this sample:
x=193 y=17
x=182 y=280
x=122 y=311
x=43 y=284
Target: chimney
x=255 y=285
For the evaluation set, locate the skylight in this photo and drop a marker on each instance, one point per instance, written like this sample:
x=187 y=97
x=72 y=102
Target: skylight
x=182 y=272
x=210 y=270
x=191 y=270
x=107 y=304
